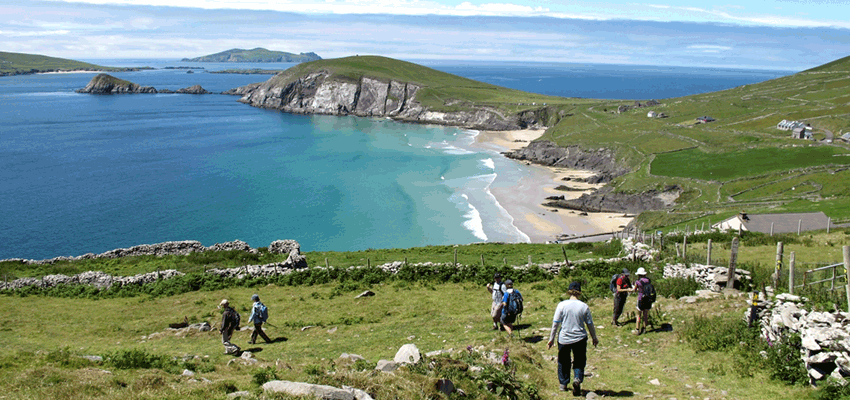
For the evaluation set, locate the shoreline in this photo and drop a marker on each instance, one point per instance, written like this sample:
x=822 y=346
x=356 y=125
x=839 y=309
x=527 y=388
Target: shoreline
x=523 y=200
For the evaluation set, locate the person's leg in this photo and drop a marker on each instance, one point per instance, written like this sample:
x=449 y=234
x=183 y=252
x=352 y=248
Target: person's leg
x=254 y=334
x=258 y=329
x=639 y=321
x=496 y=314
x=579 y=359
x=618 y=308
x=563 y=365
x=644 y=318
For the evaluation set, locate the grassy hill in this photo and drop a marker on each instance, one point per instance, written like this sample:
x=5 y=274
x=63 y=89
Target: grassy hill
x=21 y=63
x=258 y=54
x=316 y=318
x=741 y=160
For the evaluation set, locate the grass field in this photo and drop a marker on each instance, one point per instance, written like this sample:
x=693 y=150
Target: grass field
x=20 y=63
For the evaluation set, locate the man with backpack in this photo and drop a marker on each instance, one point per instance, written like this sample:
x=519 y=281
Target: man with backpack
x=511 y=306
x=571 y=316
x=646 y=296
x=497 y=291
x=259 y=315
x=229 y=322
x=620 y=286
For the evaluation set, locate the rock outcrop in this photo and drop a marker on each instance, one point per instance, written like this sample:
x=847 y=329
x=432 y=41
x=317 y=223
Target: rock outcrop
x=601 y=161
x=321 y=93
x=606 y=200
x=108 y=84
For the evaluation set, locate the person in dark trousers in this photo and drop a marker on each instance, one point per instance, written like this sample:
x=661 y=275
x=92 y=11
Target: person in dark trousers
x=643 y=305
x=258 y=317
x=624 y=286
x=507 y=318
x=497 y=291
x=229 y=323
x=571 y=316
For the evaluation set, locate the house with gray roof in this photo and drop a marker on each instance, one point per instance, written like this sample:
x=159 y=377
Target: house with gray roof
x=779 y=223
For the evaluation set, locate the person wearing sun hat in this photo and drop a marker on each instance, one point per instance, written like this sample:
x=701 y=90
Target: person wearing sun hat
x=568 y=324
x=229 y=323
x=643 y=304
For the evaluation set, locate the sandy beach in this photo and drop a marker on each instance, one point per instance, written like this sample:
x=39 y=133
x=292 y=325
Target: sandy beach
x=524 y=200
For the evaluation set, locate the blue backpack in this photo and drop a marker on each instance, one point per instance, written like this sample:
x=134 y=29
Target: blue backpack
x=263 y=312
x=514 y=306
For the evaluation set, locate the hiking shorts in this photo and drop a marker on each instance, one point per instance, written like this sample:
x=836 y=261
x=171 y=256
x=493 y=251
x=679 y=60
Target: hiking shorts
x=508 y=319
x=496 y=310
x=644 y=305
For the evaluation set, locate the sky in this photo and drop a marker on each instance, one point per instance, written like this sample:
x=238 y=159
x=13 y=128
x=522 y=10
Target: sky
x=788 y=35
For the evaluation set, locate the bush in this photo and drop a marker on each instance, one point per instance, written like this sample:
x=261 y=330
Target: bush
x=715 y=333
x=140 y=359
x=676 y=287
x=263 y=375
x=784 y=362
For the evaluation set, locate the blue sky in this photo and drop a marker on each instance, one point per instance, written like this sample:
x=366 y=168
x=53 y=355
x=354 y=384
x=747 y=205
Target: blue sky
x=780 y=34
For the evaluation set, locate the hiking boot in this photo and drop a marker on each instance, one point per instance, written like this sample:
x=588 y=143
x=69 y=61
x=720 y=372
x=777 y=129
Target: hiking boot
x=636 y=332
x=562 y=387
x=576 y=388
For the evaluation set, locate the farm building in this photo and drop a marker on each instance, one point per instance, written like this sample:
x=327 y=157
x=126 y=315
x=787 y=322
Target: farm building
x=845 y=137
x=651 y=114
x=780 y=223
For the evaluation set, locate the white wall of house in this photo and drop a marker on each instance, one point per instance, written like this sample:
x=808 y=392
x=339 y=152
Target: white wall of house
x=733 y=223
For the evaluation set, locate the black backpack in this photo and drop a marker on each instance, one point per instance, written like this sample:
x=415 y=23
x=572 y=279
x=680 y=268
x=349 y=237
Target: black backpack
x=648 y=291
x=514 y=303
x=613 y=285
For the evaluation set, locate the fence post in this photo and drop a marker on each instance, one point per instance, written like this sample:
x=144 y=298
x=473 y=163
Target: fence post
x=740 y=229
x=702 y=229
x=791 y=264
x=685 y=248
x=326 y=263
x=405 y=262
x=771 y=229
x=652 y=240
x=799 y=225
x=456 y=258
x=678 y=254
x=708 y=253
x=482 y=260
x=733 y=261
x=564 y=250
x=779 y=249
x=828 y=223
x=847 y=271
x=368 y=263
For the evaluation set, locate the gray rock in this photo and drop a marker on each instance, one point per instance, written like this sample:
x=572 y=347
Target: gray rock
x=367 y=293
x=408 y=354
x=358 y=394
x=446 y=386
x=96 y=359
x=306 y=389
x=240 y=395
x=187 y=372
x=351 y=357
x=386 y=366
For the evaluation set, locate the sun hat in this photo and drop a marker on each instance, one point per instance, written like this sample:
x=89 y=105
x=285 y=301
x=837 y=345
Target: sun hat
x=255 y=297
x=640 y=271
x=224 y=303
x=626 y=271
x=575 y=286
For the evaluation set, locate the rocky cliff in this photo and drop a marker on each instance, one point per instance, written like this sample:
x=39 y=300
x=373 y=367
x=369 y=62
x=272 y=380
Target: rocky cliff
x=108 y=84
x=320 y=93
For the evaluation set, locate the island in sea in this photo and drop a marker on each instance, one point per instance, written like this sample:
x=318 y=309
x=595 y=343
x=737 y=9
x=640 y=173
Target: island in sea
x=257 y=55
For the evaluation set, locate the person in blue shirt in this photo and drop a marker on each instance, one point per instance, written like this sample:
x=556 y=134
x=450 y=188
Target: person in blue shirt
x=258 y=319
x=508 y=319
x=571 y=316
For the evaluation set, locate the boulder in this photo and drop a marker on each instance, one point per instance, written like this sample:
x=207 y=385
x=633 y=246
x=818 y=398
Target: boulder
x=195 y=89
x=390 y=366
x=408 y=354
x=306 y=389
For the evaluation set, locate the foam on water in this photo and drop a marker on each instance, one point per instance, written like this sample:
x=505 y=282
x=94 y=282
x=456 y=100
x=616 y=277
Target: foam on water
x=473 y=221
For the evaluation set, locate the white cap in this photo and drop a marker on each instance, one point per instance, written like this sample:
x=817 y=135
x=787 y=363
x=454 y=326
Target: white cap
x=224 y=303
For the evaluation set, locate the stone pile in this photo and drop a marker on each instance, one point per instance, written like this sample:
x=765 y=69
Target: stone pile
x=709 y=276
x=97 y=279
x=825 y=335
x=180 y=248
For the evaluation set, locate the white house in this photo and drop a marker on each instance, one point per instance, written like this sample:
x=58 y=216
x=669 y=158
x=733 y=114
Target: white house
x=651 y=114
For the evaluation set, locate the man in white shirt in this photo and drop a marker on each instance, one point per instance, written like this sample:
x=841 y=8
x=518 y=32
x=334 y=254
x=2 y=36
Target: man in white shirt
x=571 y=316
x=497 y=291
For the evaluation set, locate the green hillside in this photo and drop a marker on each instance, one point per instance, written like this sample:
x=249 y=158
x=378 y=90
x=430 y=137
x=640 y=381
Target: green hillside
x=741 y=160
x=21 y=63
x=258 y=54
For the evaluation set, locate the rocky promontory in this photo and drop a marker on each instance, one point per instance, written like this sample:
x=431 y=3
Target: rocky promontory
x=108 y=84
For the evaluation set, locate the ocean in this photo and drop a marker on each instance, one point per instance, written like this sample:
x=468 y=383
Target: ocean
x=87 y=173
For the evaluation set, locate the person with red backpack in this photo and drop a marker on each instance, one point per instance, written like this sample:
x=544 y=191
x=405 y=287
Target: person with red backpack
x=646 y=296
x=621 y=286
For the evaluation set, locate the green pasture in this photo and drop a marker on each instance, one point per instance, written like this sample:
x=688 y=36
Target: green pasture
x=15 y=63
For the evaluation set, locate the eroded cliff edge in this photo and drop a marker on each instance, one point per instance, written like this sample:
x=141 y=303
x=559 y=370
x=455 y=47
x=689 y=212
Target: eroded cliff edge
x=604 y=163
x=321 y=93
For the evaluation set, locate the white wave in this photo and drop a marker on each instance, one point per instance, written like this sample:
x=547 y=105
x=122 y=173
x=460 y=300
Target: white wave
x=489 y=163
x=474 y=222
x=504 y=212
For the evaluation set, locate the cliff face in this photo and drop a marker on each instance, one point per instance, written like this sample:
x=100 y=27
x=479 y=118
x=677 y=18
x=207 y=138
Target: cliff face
x=319 y=93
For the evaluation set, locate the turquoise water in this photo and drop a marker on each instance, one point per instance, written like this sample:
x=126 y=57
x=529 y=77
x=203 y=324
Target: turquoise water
x=85 y=173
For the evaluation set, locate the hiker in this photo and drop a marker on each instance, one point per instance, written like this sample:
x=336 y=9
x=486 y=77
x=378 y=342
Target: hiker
x=646 y=296
x=229 y=323
x=259 y=315
x=571 y=316
x=511 y=307
x=621 y=286
x=497 y=291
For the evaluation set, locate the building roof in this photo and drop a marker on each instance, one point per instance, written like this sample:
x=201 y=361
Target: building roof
x=782 y=223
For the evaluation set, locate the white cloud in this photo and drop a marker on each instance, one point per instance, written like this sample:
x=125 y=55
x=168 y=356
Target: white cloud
x=33 y=33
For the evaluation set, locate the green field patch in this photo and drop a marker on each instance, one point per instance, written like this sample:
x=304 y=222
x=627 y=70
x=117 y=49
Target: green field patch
x=697 y=164
x=787 y=188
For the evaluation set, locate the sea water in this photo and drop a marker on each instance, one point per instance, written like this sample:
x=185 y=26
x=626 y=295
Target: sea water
x=86 y=173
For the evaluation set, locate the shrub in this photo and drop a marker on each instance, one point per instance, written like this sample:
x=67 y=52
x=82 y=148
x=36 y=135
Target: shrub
x=715 y=333
x=263 y=375
x=676 y=287
x=140 y=359
x=784 y=362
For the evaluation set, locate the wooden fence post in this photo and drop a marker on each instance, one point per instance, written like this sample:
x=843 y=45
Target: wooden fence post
x=771 y=229
x=505 y=261
x=799 y=226
x=326 y=263
x=779 y=249
x=405 y=262
x=368 y=263
x=708 y=253
x=678 y=254
x=652 y=240
x=685 y=248
x=482 y=260
x=564 y=250
x=733 y=261
x=456 y=258
x=529 y=261
x=791 y=265
x=828 y=223
x=847 y=272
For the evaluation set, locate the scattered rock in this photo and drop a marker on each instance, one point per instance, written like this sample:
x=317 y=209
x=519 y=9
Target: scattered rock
x=367 y=293
x=446 y=386
x=386 y=366
x=186 y=372
x=655 y=382
x=408 y=354
x=306 y=389
x=240 y=395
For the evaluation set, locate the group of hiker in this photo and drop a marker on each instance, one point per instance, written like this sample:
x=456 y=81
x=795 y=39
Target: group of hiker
x=230 y=320
x=571 y=317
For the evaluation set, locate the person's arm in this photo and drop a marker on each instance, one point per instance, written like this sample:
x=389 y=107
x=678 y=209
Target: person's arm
x=490 y=288
x=223 y=321
x=553 y=334
x=592 y=330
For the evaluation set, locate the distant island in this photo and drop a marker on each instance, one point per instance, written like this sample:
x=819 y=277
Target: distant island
x=255 y=55
x=22 y=63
